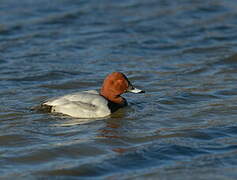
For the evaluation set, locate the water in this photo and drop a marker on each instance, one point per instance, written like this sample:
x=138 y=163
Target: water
x=183 y=53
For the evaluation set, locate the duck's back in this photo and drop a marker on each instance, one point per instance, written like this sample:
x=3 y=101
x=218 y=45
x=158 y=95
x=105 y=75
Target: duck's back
x=86 y=104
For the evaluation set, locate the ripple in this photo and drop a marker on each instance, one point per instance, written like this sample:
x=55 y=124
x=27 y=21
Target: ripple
x=42 y=77
x=62 y=18
x=45 y=155
x=76 y=84
x=14 y=140
x=232 y=60
x=229 y=92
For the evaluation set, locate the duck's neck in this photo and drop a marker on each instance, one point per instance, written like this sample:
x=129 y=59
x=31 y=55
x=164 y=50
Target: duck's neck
x=114 y=98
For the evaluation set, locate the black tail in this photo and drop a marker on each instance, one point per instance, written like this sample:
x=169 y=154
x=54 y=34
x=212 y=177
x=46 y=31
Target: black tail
x=42 y=108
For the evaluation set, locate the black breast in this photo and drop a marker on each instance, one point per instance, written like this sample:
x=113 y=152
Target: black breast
x=114 y=106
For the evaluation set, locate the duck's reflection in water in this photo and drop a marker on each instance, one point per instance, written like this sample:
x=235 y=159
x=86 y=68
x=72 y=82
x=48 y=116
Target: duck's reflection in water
x=114 y=133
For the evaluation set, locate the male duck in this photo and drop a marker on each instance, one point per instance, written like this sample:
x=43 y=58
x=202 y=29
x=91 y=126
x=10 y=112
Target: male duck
x=93 y=104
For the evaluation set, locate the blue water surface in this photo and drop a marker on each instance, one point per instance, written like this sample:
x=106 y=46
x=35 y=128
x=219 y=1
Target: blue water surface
x=183 y=53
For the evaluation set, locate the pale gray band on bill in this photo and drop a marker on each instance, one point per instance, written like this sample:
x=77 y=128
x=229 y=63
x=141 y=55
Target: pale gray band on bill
x=135 y=90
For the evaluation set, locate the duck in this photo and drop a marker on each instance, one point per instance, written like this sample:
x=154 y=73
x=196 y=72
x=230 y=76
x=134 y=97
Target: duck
x=93 y=103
